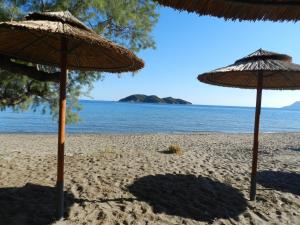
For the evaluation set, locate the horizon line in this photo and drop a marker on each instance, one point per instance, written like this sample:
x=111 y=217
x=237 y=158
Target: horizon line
x=193 y=104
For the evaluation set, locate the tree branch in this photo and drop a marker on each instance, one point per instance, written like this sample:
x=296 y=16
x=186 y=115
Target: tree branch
x=30 y=71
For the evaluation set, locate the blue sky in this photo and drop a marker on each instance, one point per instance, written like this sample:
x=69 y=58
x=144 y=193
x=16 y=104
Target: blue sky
x=188 y=45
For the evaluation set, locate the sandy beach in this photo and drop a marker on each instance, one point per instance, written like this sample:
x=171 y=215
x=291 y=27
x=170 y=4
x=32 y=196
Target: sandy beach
x=131 y=179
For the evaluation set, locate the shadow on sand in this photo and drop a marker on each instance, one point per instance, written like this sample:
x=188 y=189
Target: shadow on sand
x=188 y=196
x=294 y=149
x=281 y=181
x=166 y=152
x=30 y=205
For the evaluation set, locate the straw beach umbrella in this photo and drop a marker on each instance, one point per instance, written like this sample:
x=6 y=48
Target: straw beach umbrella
x=274 y=10
x=59 y=39
x=259 y=70
x=252 y=10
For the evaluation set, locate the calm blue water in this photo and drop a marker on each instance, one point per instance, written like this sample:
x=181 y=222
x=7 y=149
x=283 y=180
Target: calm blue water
x=115 y=117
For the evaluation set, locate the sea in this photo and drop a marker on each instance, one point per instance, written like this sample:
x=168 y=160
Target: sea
x=117 y=117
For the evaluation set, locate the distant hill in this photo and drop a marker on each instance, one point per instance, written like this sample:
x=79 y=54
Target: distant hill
x=153 y=99
x=294 y=106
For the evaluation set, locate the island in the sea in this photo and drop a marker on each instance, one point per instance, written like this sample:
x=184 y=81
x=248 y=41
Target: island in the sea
x=294 y=106
x=139 y=98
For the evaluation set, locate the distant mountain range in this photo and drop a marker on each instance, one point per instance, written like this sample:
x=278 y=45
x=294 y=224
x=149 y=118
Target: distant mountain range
x=294 y=106
x=153 y=99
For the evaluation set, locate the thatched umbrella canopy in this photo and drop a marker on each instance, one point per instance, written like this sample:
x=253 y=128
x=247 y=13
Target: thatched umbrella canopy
x=259 y=70
x=278 y=71
x=38 y=40
x=274 y=10
x=59 y=39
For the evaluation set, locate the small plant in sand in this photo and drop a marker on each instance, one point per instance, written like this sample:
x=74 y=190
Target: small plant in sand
x=175 y=149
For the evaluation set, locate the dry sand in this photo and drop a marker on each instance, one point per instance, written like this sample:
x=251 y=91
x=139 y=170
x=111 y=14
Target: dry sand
x=130 y=179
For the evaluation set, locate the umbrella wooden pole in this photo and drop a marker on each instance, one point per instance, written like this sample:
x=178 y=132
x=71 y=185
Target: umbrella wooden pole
x=256 y=133
x=61 y=130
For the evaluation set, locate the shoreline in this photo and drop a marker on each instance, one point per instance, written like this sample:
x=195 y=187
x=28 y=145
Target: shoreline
x=149 y=133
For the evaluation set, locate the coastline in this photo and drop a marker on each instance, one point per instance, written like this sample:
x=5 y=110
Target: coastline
x=129 y=178
x=149 y=133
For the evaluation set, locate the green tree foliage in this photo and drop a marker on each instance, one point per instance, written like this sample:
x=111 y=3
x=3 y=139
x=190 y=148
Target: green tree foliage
x=127 y=22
